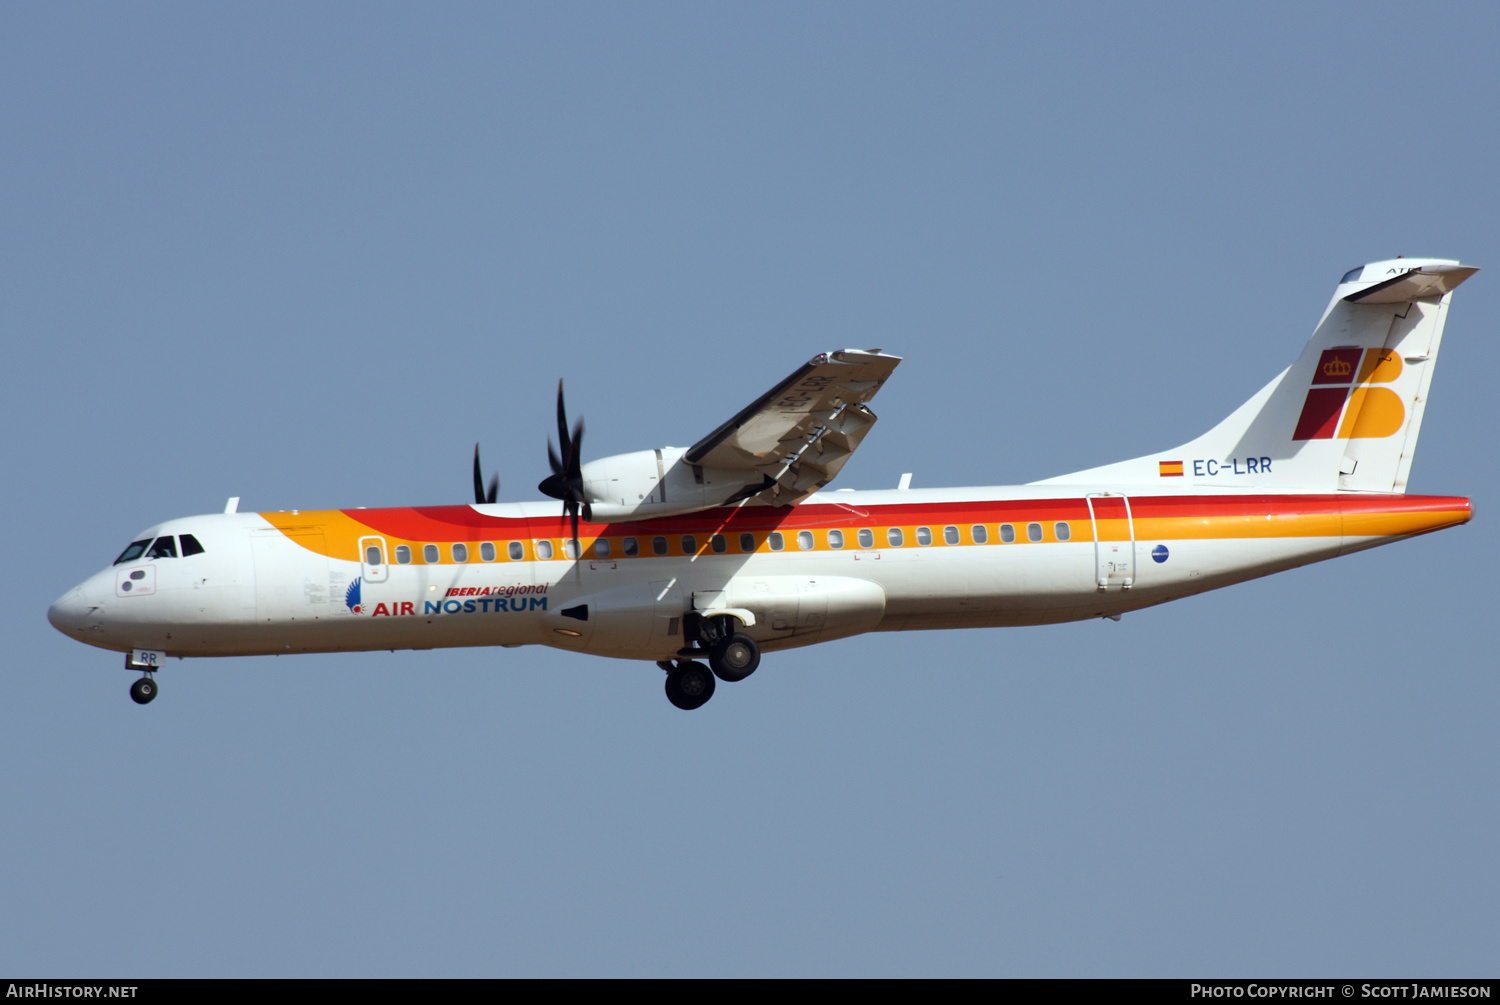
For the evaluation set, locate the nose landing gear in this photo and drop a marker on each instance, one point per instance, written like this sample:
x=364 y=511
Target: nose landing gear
x=143 y=690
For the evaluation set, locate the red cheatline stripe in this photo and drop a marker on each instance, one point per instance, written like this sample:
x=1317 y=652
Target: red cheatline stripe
x=461 y=523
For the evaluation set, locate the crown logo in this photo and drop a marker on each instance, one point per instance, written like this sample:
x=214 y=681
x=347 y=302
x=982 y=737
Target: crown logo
x=1337 y=368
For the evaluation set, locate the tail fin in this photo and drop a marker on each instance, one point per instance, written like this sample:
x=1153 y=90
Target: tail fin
x=1345 y=416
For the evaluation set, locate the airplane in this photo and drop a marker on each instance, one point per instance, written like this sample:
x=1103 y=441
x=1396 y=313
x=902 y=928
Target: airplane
x=701 y=559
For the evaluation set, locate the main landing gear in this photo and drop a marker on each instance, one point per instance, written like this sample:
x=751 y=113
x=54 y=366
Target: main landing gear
x=732 y=656
x=689 y=685
x=143 y=690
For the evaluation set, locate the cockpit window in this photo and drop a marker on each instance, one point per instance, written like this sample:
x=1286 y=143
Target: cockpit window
x=190 y=545
x=1352 y=275
x=164 y=547
x=135 y=551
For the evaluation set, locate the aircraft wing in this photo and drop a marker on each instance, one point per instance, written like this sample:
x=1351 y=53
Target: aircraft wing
x=800 y=432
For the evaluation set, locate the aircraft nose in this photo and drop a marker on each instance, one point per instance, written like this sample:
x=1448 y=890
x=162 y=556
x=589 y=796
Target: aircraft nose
x=67 y=612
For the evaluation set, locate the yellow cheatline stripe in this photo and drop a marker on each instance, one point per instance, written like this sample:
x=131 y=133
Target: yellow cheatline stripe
x=1394 y=524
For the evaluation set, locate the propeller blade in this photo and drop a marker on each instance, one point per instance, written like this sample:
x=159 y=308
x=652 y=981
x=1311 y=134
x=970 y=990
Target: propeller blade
x=480 y=494
x=575 y=459
x=566 y=480
x=562 y=421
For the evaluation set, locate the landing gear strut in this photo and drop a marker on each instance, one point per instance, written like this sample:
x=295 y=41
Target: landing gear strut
x=143 y=690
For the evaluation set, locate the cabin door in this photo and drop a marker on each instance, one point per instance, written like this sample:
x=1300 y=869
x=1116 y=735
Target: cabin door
x=1114 y=541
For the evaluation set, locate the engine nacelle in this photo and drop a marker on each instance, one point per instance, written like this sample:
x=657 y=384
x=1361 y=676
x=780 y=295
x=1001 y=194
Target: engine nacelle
x=653 y=483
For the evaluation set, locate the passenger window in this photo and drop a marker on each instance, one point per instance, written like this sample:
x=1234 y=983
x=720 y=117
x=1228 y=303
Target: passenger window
x=866 y=537
x=487 y=551
x=403 y=555
x=835 y=539
x=430 y=554
x=747 y=543
x=190 y=545
x=658 y=546
x=516 y=550
x=373 y=555
x=632 y=547
x=719 y=543
x=689 y=544
x=979 y=533
x=135 y=551
x=460 y=553
x=805 y=540
x=1033 y=532
x=924 y=536
x=164 y=547
x=776 y=541
x=1007 y=534
x=950 y=535
x=570 y=547
x=894 y=537
x=544 y=550
x=1062 y=530
x=601 y=548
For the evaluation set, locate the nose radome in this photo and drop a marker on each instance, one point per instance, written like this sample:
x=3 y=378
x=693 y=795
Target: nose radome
x=66 y=614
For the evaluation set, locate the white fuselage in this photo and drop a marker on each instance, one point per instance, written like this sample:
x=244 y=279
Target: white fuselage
x=302 y=582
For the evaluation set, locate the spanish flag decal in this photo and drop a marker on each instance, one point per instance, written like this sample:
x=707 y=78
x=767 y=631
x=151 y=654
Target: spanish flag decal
x=1171 y=469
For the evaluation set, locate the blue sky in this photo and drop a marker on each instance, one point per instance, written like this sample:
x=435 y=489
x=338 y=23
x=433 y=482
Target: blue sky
x=310 y=255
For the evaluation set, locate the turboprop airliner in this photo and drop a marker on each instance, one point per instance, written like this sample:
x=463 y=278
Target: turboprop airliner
x=700 y=559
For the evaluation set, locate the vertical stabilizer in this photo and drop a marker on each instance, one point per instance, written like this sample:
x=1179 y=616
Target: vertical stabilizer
x=1345 y=416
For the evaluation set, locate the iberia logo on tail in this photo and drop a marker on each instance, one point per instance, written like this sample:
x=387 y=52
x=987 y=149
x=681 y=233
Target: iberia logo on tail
x=1371 y=413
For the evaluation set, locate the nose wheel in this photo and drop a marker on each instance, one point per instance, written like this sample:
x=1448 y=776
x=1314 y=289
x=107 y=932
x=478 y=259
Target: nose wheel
x=143 y=690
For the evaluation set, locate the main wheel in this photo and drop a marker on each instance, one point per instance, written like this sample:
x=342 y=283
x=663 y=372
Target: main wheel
x=143 y=690
x=734 y=658
x=690 y=686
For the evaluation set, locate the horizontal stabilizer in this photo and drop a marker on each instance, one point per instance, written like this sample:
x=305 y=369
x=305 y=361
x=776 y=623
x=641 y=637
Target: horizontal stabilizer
x=1427 y=281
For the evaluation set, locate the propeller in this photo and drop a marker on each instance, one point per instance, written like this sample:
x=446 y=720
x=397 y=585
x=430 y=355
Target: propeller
x=566 y=480
x=480 y=495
